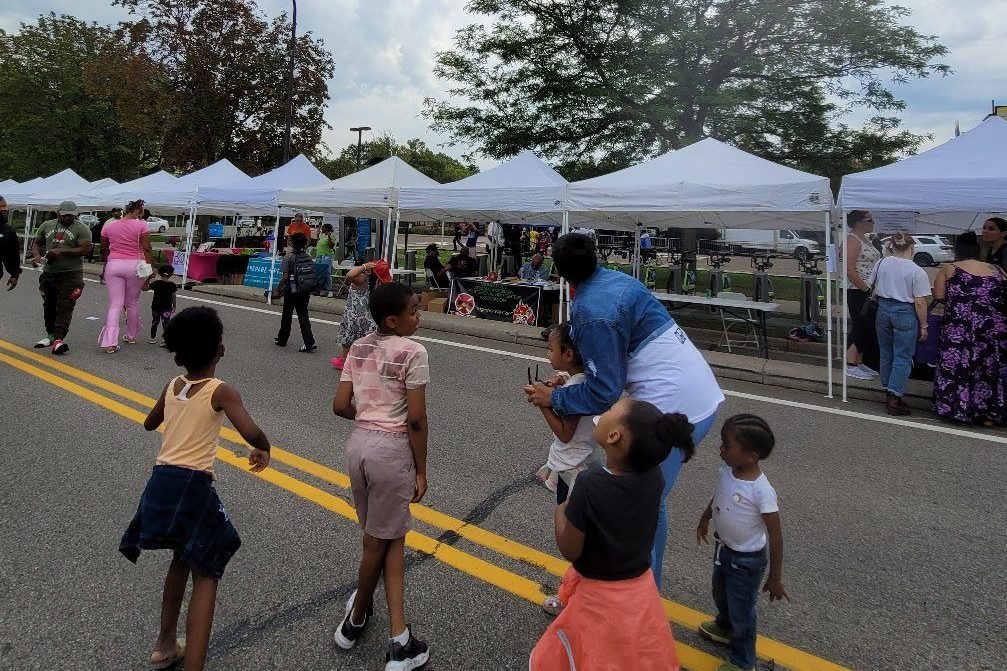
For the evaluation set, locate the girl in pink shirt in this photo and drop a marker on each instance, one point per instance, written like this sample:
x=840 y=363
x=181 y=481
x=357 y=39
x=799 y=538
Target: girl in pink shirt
x=125 y=243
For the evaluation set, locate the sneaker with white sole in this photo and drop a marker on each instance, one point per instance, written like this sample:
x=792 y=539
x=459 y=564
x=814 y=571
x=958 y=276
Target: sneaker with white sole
x=412 y=655
x=712 y=631
x=347 y=635
x=152 y=341
x=60 y=347
x=854 y=371
x=870 y=371
x=44 y=342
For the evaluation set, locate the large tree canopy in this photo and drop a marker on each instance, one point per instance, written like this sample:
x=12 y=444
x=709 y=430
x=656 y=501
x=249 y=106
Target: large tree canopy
x=180 y=86
x=606 y=83
x=434 y=164
x=50 y=119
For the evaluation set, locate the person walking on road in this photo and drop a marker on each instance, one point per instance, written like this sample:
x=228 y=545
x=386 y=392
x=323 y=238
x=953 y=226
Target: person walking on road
x=61 y=244
x=902 y=289
x=179 y=509
x=629 y=343
x=861 y=256
x=10 y=249
x=125 y=244
x=296 y=285
x=383 y=390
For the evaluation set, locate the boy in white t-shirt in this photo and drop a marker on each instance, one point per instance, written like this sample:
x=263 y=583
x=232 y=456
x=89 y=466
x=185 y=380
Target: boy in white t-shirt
x=745 y=516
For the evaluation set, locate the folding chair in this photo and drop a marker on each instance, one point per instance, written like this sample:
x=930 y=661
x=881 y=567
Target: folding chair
x=339 y=284
x=743 y=323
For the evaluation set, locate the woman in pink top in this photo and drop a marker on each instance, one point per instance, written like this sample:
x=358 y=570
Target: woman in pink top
x=125 y=244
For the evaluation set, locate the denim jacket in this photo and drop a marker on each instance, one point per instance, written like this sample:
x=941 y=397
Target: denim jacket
x=613 y=316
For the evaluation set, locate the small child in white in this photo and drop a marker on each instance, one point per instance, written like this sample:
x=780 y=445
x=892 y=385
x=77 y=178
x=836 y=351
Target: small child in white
x=573 y=442
x=573 y=446
x=745 y=515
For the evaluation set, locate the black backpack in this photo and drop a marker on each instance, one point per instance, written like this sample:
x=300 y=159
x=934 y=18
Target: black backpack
x=302 y=276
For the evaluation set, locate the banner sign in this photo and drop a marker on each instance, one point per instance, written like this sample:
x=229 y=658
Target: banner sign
x=216 y=231
x=499 y=301
x=363 y=237
x=893 y=222
x=257 y=273
x=178 y=262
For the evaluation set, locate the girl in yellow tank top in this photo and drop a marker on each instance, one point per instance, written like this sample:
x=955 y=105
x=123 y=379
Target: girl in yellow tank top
x=179 y=509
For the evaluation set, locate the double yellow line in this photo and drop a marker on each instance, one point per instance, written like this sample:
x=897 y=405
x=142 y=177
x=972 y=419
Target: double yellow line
x=530 y=590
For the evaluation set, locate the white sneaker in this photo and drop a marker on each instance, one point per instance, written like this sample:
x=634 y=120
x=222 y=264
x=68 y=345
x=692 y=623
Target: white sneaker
x=152 y=341
x=855 y=371
x=870 y=371
x=44 y=342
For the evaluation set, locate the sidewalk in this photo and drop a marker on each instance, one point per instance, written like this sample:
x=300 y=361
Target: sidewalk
x=793 y=366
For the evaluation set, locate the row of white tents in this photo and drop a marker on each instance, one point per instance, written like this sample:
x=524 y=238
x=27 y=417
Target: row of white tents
x=949 y=189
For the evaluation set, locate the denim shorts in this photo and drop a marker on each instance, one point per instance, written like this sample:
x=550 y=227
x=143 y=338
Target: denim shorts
x=180 y=510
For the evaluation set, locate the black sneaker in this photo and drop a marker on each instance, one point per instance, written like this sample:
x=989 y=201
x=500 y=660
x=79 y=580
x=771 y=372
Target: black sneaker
x=347 y=634
x=412 y=655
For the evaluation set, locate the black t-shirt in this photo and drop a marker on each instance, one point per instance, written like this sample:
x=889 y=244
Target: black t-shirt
x=163 y=291
x=464 y=266
x=618 y=515
x=999 y=257
x=434 y=265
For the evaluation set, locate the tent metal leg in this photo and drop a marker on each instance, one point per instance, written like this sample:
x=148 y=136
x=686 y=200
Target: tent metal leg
x=272 y=261
x=831 y=257
x=846 y=306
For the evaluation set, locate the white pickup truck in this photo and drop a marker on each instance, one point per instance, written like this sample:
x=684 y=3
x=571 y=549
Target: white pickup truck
x=780 y=242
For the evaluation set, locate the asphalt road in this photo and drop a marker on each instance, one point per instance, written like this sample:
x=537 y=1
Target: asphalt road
x=893 y=531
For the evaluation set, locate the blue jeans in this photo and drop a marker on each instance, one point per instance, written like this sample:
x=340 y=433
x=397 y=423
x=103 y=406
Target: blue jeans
x=898 y=331
x=323 y=277
x=737 y=577
x=670 y=467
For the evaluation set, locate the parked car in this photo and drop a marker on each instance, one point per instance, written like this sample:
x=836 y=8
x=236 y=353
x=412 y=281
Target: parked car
x=781 y=242
x=931 y=250
x=88 y=220
x=157 y=225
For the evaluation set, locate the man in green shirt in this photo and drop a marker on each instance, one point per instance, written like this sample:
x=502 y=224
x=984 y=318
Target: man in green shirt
x=324 y=253
x=64 y=241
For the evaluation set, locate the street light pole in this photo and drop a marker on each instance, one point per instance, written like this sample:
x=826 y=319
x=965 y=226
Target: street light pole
x=359 y=130
x=290 y=84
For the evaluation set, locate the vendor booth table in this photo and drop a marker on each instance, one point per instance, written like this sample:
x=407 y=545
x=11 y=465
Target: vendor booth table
x=736 y=308
x=207 y=266
x=513 y=302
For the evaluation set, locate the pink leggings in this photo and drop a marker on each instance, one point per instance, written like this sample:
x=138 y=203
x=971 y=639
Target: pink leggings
x=123 y=291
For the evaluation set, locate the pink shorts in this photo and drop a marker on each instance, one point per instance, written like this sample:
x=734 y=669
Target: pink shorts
x=383 y=480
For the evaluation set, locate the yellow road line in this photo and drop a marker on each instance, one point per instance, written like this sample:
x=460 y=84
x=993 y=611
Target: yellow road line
x=766 y=648
x=691 y=658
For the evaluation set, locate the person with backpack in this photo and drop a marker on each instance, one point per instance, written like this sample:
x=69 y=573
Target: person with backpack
x=296 y=285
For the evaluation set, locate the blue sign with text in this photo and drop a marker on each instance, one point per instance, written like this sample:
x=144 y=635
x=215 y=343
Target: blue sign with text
x=363 y=237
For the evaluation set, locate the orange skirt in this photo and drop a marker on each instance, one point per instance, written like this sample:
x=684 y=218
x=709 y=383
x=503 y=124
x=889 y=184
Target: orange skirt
x=607 y=626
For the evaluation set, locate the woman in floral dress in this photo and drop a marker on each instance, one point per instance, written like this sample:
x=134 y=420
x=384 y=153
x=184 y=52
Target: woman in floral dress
x=970 y=383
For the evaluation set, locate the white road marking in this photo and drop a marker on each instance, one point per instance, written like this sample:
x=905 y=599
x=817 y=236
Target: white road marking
x=936 y=428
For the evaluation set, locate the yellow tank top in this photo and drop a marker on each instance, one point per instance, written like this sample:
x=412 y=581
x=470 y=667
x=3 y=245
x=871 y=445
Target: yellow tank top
x=191 y=427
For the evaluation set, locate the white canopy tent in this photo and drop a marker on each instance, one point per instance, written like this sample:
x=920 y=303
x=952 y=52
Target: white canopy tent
x=708 y=184
x=259 y=195
x=951 y=188
x=372 y=192
x=53 y=197
x=120 y=194
x=36 y=189
x=7 y=184
x=525 y=187
x=180 y=196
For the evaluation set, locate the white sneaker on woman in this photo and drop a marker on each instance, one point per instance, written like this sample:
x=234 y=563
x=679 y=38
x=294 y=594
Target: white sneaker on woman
x=857 y=372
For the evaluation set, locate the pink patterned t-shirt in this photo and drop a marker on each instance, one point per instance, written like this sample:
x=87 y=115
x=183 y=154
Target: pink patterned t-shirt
x=124 y=238
x=382 y=368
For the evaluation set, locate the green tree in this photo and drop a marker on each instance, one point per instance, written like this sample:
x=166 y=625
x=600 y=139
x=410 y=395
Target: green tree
x=51 y=120
x=220 y=68
x=611 y=82
x=436 y=165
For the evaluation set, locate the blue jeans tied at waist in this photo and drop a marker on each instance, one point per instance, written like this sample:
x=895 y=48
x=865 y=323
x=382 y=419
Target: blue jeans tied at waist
x=737 y=577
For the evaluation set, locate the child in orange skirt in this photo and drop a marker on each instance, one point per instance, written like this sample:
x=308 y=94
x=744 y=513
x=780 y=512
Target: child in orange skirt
x=614 y=619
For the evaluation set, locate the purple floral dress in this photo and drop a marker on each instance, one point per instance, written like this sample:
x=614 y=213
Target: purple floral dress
x=970 y=383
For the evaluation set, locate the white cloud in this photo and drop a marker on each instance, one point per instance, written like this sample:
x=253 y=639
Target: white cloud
x=385 y=49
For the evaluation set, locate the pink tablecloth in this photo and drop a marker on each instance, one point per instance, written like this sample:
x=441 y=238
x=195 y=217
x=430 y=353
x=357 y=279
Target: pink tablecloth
x=202 y=265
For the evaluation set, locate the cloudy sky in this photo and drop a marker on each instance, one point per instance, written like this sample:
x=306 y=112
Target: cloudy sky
x=384 y=52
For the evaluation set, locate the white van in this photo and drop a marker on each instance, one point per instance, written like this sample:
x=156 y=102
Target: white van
x=781 y=242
